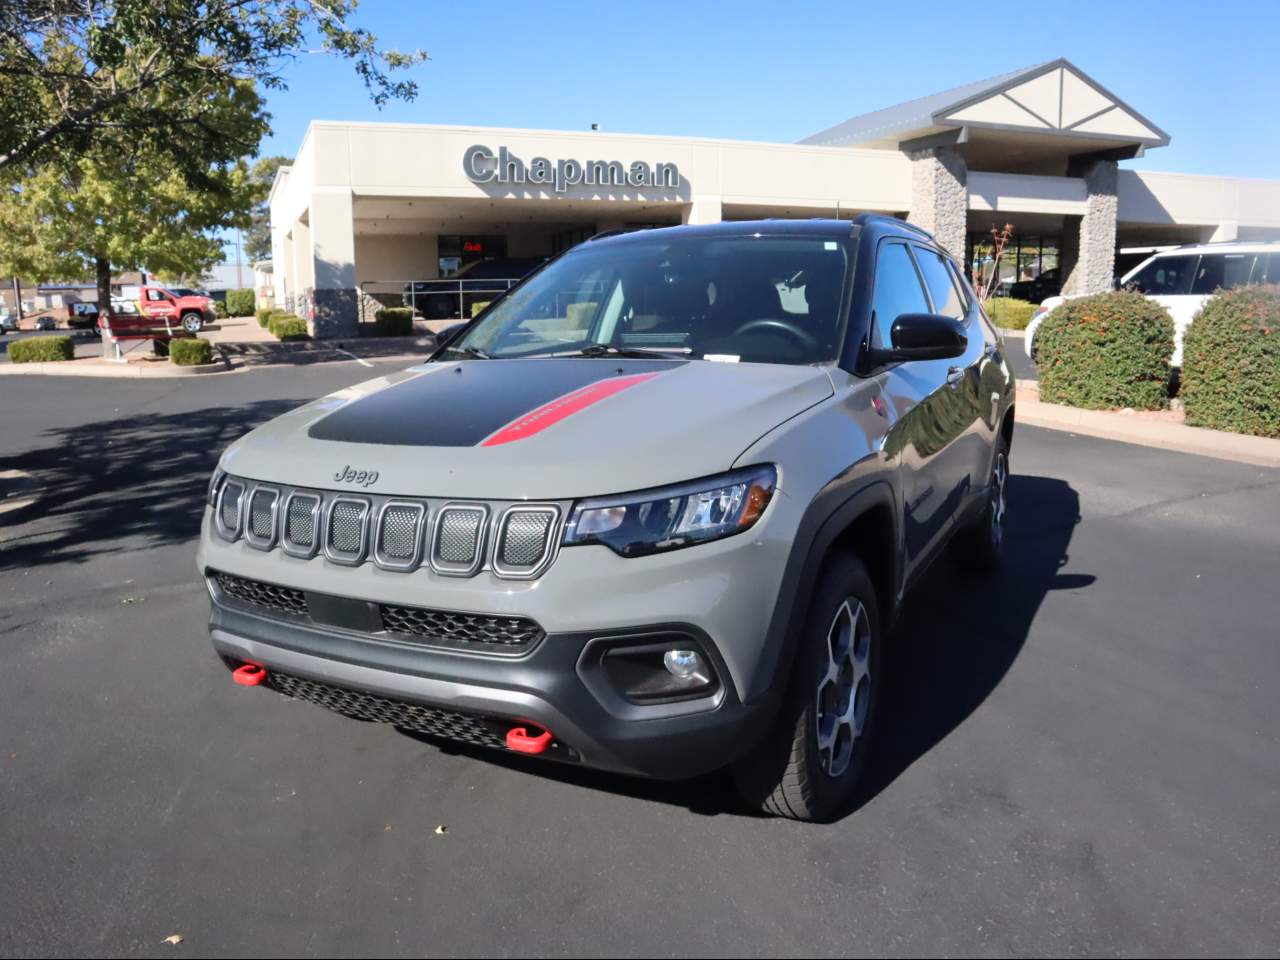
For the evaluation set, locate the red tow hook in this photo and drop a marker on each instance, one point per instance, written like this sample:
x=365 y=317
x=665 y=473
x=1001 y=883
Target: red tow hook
x=518 y=739
x=249 y=674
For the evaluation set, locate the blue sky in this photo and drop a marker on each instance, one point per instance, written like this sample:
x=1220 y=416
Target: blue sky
x=1206 y=72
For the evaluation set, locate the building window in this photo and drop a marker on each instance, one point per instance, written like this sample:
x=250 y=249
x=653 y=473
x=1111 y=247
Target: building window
x=456 y=251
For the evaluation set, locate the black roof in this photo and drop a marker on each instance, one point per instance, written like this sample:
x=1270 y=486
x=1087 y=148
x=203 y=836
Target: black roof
x=816 y=227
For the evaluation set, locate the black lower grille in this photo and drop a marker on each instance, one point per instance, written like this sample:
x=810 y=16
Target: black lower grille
x=467 y=629
x=265 y=595
x=367 y=706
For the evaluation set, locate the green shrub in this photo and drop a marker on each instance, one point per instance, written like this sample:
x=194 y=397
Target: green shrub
x=264 y=314
x=40 y=349
x=1106 y=351
x=477 y=307
x=190 y=353
x=1010 y=312
x=220 y=309
x=288 y=327
x=579 y=314
x=393 y=322
x=240 y=302
x=1231 y=362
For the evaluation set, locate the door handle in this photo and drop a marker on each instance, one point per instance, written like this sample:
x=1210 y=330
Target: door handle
x=954 y=376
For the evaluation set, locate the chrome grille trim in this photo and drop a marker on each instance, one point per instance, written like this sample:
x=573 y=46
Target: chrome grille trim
x=292 y=546
x=235 y=489
x=504 y=546
x=353 y=557
x=442 y=533
x=380 y=555
x=251 y=535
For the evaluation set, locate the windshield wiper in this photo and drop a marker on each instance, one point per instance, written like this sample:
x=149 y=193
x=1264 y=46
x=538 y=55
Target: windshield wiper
x=609 y=350
x=475 y=353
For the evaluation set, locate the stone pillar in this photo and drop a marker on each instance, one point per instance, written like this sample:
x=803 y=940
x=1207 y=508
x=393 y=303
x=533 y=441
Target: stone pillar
x=940 y=195
x=334 y=303
x=702 y=209
x=1089 y=241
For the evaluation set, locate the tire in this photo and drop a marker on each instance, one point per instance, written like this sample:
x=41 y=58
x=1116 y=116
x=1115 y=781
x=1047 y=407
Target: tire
x=980 y=545
x=830 y=698
x=192 y=322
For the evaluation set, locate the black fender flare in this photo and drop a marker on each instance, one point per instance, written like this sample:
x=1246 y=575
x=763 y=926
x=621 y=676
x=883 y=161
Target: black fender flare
x=828 y=515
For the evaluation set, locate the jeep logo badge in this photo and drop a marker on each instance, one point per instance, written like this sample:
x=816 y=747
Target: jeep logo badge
x=364 y=478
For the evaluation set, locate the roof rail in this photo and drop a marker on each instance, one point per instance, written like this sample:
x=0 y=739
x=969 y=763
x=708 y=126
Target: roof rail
x=1214 y=243
x=864 y=218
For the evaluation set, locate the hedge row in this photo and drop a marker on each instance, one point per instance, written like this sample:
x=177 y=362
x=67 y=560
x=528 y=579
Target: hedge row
x=264 y=314
x=1106 y=351
x=190 y=353
x=240 y=302
x=40 y=349
x=285 y=326
x=1231 y=362
x=393 y=322
x=1010 y=312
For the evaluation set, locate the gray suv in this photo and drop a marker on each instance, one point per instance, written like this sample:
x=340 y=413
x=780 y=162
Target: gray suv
x=653 y=511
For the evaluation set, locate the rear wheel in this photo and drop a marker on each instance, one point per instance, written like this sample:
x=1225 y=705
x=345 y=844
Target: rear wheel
x=809 y=764
x=981 y=544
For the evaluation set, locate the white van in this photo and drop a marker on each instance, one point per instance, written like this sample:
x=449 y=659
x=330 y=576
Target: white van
x=1183 y=278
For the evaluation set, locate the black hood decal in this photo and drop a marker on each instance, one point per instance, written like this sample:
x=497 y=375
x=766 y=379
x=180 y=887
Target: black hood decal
x=466 y=402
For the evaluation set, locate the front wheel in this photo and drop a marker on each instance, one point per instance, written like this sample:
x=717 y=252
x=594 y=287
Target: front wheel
x=808 y=766
x=192 y=322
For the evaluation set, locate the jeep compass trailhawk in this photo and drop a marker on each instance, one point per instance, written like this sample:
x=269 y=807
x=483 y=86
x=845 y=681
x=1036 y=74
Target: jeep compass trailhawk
x=652 y=511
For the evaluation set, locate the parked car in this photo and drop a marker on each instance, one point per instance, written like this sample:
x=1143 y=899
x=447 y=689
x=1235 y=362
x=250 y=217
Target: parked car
x=45 y=322
x=1181 y=279
x=191 y=312
x=8 y=323
x=654 y=515
x=477 y=282
x=1047 y=284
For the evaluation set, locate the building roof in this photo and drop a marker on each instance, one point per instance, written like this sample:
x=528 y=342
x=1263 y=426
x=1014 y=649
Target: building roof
x=1055 y=98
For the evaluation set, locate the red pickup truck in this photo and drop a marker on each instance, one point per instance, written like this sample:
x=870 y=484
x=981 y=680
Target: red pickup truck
x=158 y=303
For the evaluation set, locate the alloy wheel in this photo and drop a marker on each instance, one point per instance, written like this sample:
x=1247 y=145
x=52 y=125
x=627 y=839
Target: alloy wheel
x=844 y=692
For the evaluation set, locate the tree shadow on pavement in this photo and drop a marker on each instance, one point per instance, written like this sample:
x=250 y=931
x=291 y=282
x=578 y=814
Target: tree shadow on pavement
x=133 y=483
x=957 y=637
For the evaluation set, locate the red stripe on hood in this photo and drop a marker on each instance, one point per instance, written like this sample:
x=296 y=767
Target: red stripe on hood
x=537 y=420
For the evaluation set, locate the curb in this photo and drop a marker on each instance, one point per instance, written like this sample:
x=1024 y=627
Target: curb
x=1128 y=428
x=72 y=368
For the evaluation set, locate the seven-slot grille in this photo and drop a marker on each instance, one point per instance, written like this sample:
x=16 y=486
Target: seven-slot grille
x=458 y=539
x=508 y=635
x=369 y=706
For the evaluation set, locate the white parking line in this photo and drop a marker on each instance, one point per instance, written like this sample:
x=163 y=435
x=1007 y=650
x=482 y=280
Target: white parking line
x=359 y=360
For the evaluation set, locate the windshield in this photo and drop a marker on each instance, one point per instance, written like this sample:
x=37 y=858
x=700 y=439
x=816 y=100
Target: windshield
x=749 y=298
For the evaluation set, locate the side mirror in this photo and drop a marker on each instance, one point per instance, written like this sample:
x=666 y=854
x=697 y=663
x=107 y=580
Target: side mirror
x=924 y=336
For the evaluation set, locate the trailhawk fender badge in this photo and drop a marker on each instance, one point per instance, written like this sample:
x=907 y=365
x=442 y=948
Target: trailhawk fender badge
x=538 y=419
x=364 y=478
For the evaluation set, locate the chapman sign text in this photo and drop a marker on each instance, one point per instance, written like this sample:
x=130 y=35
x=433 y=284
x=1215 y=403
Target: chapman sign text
x=482 y=165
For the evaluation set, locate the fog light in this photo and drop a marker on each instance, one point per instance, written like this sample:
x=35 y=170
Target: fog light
x=682 y=664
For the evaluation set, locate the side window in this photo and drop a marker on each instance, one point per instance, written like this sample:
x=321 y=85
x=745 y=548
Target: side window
x=1273 y=267
x=1225 y=270
x=154 y=295
x=942 y=289
x=897 y=291
x=966 y=294
x=1165 y=276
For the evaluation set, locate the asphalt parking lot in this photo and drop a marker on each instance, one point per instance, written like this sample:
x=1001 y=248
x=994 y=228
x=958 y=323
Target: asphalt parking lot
x=1080 y=755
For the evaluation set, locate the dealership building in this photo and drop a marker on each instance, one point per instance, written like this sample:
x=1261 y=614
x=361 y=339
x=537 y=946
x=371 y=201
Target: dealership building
x=367 y=208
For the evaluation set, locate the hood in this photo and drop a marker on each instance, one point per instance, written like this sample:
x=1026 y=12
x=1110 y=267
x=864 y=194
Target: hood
x=529 y=429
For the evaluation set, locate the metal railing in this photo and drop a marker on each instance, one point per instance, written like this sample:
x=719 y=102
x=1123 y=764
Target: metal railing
x=450 y=299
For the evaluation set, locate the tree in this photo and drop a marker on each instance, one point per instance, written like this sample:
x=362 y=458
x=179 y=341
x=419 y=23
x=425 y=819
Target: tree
x=257 y=238
x=121 y=203
x=74 y=71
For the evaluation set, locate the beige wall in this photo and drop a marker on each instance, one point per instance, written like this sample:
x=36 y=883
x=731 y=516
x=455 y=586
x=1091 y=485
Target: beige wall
x=395 y=258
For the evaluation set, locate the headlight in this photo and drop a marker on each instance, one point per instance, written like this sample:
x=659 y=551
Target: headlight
x=637 y=524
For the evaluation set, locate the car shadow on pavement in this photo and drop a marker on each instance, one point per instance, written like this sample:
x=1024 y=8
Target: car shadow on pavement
x=134 y=483
x=959 y=634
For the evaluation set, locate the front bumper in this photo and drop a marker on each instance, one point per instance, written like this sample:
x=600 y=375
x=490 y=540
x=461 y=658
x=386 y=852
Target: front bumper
x=545 y=688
